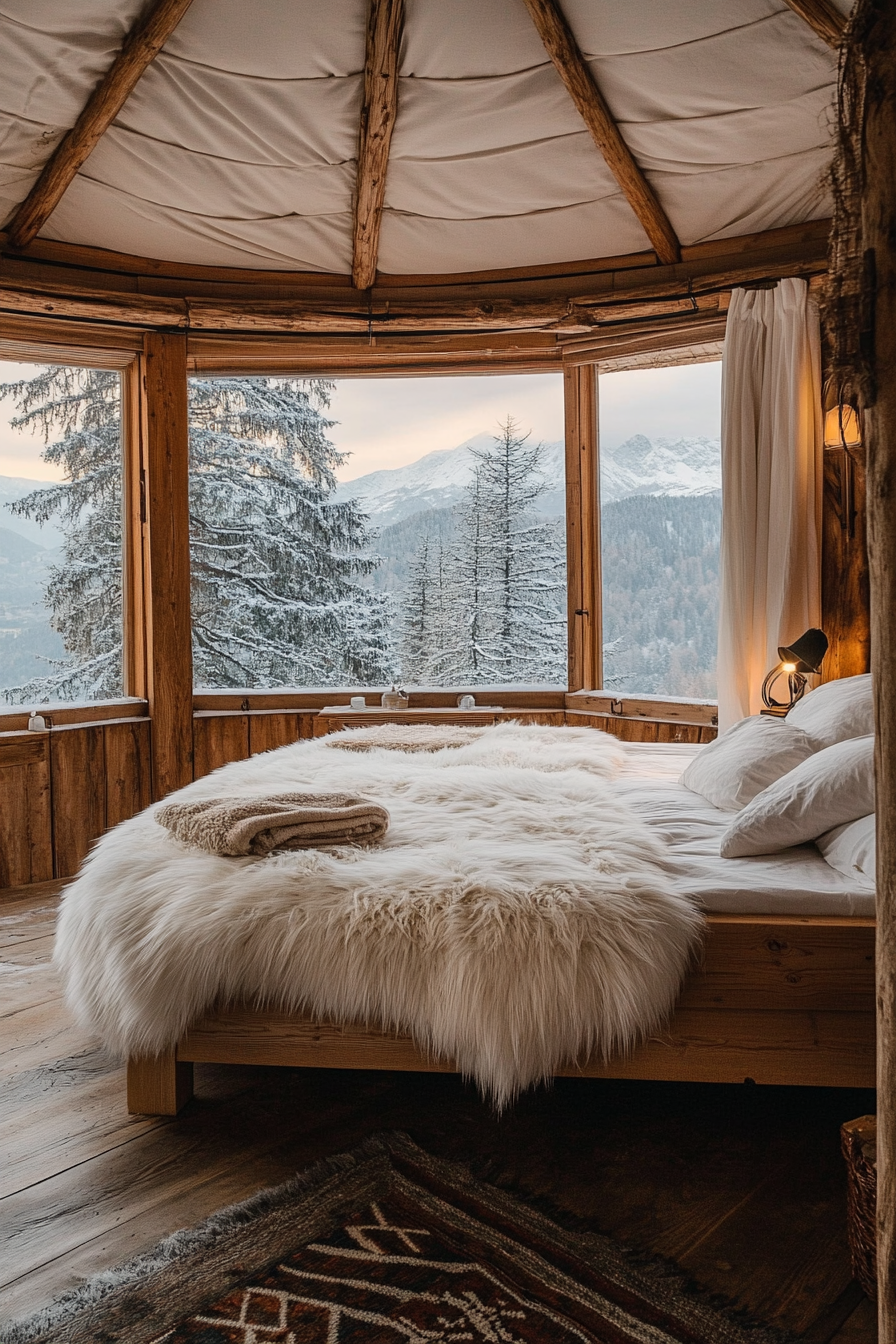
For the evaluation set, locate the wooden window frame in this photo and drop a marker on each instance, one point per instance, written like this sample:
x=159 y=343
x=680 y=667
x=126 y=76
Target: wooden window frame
x=71 y=345
x=155 y=367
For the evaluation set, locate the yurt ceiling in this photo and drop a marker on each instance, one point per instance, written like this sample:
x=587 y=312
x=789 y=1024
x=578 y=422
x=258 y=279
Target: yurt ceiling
x=239 y=143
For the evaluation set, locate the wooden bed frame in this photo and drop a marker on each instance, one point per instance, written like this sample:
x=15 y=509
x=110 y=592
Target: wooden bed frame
x=775 y=999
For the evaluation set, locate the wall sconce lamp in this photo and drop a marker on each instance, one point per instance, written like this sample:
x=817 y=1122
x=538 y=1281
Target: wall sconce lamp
x=843 y=432
x=800 y=659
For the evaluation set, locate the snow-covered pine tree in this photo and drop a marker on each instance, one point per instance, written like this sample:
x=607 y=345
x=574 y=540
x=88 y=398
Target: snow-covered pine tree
x=523 y=621
x=83 y=592
x=502 y=587
x=273 y=561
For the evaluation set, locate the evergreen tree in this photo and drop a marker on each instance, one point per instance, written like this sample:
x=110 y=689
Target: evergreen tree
x=496 y=614
x=274 y=562
x=84 y=592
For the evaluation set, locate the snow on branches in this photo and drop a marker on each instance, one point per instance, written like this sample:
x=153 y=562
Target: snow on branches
x=275 y=563
x=488 y=606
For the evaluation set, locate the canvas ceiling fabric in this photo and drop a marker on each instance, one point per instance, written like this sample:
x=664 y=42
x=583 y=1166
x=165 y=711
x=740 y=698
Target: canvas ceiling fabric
x=238 y=146
x=770 y=562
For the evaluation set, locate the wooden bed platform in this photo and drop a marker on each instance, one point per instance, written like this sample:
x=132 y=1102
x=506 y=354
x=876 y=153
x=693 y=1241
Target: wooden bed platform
x=775 y=1000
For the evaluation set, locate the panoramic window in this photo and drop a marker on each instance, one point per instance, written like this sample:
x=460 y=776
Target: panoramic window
x=60 y=534
x=661 y=508
x=356 y=532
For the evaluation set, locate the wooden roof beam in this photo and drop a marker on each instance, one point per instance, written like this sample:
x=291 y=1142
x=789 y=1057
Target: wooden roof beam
x=378 y=117
x=141 y=46
x=576 y=74
x=826 y=21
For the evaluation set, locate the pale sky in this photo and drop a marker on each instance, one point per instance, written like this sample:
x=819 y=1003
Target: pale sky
x=679 y=402
x=20 y=452
x=389 y=422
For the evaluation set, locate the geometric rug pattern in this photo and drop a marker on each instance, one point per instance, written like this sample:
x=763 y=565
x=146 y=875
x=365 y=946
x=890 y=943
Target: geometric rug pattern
x=385 y=1245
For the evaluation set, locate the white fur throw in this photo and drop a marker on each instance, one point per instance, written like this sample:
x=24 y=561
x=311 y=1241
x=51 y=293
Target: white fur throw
x=515 y=916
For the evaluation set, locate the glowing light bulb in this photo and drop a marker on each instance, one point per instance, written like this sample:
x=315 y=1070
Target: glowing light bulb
x=788 y=667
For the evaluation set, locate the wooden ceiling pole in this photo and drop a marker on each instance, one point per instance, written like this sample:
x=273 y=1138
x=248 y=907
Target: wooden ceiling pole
x=141 y=46
x=826 y=21
x=377 y=124
x=576 y=74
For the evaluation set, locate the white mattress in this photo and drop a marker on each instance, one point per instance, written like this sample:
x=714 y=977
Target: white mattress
x=795 y=882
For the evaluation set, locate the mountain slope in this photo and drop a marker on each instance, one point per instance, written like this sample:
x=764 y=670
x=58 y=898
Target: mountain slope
x=636 y=467
x=437 y=481
x=16 y=487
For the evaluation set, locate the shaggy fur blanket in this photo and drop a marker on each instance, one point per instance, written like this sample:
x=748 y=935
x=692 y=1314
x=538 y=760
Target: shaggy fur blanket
x=516 y=915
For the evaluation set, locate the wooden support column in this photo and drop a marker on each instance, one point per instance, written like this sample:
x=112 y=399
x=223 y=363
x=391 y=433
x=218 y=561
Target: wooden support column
x=582 y=528
x=169 y=662
x=876 y=29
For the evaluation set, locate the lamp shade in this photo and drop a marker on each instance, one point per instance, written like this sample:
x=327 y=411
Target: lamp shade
x=842 y=428
x=807 y=652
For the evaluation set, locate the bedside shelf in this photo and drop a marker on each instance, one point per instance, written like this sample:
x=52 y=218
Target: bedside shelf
x=333 y=717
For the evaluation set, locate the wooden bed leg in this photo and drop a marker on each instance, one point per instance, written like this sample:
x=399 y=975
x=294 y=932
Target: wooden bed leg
x=159 y=1086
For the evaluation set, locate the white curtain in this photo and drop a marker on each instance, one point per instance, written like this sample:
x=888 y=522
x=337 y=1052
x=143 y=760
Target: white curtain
x=771 y=487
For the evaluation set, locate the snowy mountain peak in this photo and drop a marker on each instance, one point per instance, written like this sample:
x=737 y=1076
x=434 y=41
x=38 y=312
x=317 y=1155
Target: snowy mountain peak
x=638 y=466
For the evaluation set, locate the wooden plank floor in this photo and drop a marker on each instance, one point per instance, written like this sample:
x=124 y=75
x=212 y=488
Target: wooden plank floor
x=742 y=1186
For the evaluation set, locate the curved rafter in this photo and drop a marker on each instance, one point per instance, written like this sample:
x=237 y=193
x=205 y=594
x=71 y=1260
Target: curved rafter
x=377 y=124
x=826 y=21
x=575 y=72
x=141 y=46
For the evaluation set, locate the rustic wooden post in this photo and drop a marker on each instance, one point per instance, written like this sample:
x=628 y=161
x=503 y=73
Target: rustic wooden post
x=582 y=529
x=169 y=663
x=876 y=29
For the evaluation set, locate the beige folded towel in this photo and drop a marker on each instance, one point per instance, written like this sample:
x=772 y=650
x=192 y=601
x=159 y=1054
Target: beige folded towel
x=275 y=821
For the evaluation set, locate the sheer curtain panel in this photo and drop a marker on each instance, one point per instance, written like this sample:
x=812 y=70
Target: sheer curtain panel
x=770 y=567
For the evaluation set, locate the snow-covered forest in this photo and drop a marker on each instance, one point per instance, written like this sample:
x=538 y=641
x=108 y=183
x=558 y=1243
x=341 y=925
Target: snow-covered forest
x=282 y=588
x=276 y=593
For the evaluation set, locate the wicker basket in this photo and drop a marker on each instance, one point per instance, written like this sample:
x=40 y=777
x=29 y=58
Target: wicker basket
x=859 y=1140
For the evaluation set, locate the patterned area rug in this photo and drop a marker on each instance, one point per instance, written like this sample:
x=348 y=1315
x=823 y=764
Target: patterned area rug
x=385 y=1245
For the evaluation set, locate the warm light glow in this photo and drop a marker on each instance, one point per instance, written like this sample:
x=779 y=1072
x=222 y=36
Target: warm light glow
x=841 y=428
x=788 y=667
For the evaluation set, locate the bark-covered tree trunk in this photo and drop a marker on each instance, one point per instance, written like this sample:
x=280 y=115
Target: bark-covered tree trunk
x=875 y=27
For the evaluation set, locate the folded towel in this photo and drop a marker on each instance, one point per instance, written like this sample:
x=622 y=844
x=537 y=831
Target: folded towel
x=234 y=826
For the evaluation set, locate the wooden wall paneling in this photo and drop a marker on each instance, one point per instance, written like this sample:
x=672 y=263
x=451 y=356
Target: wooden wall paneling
x=677 y=732
x=845 y=599
x=582 y=528
x=217 y=740
x=267 y=731
x=128 y=772
x=553 y=718
x=77 y=780
x=26 y=835
x=165 y=430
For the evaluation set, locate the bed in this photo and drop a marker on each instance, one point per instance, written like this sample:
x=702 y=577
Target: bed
x=782 y=991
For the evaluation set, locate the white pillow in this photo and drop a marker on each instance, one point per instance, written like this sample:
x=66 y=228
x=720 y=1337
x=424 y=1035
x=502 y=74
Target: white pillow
x=836 y=711
x=832 y=787
x=852 y=850
x=745 y=760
